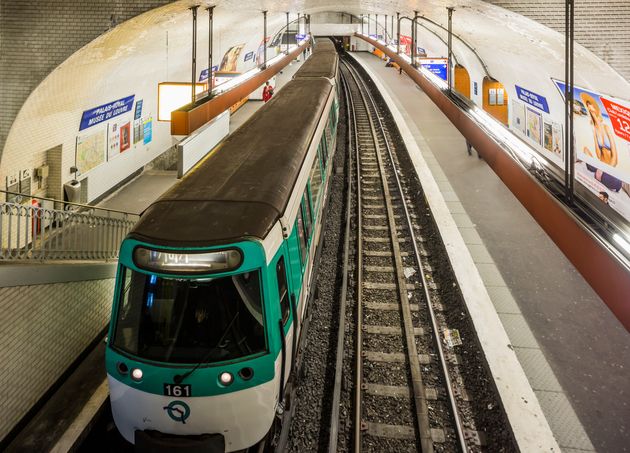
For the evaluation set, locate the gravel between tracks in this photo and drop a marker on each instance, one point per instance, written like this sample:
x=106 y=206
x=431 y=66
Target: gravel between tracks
x=310 y=424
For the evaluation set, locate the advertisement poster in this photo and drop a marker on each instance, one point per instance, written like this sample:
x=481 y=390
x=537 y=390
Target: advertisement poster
x=125 y=137
x=90 y=151
x=147 y=130
x=534 y=126
x=231 y=58
x=548 y=136
x=557 y=140
x=602 y=146
x=138 y=131
x=113 y=140
x=260 y=56
x=405 y=44
x=492 y=96
x=518 y=116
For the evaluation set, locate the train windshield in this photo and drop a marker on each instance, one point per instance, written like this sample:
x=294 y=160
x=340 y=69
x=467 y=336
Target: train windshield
x=190 y=320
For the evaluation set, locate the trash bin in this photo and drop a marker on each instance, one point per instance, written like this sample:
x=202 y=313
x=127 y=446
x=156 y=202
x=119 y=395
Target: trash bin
x=73 y=191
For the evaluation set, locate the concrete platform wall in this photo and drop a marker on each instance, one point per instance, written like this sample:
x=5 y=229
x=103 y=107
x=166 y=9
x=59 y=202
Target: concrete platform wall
x=46 y=324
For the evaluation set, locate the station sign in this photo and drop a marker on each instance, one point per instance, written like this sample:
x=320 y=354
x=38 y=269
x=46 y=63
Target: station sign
x=300 y=37
x=138 y=112
x=437 y=66
x=248 y=56
x=204 y=73
x=106 y=112
x=533 y=99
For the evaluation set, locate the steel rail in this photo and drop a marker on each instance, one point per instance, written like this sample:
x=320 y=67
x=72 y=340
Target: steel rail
x=417 y=255
x=417 y=386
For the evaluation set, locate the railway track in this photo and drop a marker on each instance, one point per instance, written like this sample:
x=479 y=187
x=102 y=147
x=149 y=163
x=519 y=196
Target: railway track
x=404 y=394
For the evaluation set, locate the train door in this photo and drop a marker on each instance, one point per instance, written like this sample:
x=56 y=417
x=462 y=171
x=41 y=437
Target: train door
x=288 y=323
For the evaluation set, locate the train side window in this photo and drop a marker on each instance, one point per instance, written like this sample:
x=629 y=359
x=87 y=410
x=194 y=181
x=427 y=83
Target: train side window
x=316 y=183
x=308 y=220
x=283 y=290
x=302 y=237
x=323 y=146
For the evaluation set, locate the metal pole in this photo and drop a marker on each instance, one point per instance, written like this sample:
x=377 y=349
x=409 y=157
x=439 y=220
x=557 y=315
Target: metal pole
x=449 y=72
x=569 y=161
x=413 y=39
x=392 y=26
x=264 y=39
x=397 y=32
x=376 y=27
x=362 y=24
x=210 y=33
x=287 y=31
x=298 y=24
x=368 y=25
x=194 y=52
x=385 y=28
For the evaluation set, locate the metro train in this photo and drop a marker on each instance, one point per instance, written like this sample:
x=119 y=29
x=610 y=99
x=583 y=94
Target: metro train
x=214 y=280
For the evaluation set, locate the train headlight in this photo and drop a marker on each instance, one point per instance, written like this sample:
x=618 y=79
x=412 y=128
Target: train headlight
x=136 y=374
x=226 y=378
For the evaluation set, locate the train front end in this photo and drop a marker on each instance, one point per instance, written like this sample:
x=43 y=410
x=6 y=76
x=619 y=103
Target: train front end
x=188 y=356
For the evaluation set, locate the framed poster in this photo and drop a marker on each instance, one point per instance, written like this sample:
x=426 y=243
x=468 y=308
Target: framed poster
x=125 y=137
x=557 y=140
x=492 y=96
x=500 y=96
x=534 y=126
x=113 y=140
x=518 y=117
x=90 y=151
x=548 y=136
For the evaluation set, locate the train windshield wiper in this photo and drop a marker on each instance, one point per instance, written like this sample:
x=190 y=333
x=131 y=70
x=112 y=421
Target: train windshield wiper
x=179 y=378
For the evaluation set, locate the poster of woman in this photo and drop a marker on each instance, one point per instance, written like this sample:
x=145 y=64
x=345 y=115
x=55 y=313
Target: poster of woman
x=230 y=59
x=602 y=144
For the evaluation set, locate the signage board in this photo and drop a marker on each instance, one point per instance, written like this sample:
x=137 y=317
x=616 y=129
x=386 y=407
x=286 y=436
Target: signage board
x=204 y=73
x=138 y=112
x=106 y=112
x=300 y=37
x=533 y=99
x=437 y=66
x=248 y=56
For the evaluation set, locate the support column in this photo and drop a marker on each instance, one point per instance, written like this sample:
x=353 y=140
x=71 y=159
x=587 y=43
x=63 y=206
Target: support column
x=397 y=32
x=449 y=72
x=385 y=29
x=264 y=39
x=210 y=10
x=414 y=44
x=569 y=159
x=362 y=31
x=286 y=34
x=194 y=52
x=376 y=27
x=369 y=25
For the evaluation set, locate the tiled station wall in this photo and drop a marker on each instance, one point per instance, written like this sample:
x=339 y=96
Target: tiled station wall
x=36 y=37
x=602 y=26
x=41 y=340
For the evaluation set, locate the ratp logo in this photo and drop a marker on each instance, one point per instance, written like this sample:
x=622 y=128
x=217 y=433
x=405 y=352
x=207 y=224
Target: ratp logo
x=178 y=411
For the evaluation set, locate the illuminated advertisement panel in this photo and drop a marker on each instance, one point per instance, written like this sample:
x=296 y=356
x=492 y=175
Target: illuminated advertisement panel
x=602 y=146
x=173 y=95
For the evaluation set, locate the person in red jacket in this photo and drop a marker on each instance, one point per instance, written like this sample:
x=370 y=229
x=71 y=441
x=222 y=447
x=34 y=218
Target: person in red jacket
x=267 y=92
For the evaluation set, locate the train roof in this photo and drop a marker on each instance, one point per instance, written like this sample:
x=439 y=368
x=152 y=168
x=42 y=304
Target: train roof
x=244 y=187
x=322 y=64
x=324 y=45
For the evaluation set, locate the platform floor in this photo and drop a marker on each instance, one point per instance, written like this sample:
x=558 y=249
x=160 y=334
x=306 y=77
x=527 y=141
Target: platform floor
x=552 y=316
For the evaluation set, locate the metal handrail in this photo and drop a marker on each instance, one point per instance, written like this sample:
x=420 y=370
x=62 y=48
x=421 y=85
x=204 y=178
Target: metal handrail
x=31 y=232
x=67 y=203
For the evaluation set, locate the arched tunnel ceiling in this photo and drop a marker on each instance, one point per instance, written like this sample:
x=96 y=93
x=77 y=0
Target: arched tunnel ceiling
x=142 y=51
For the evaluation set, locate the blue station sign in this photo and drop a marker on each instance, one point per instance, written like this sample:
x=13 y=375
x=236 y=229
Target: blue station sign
x=106 y=112
x=204 y=73
x=533 y=99
x=438 y=66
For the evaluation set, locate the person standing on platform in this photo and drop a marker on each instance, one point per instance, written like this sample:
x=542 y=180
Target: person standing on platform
x=267 y=92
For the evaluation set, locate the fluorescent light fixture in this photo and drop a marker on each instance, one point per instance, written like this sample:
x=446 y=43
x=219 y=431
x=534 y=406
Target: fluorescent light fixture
x=173 y=95
x=622 y=242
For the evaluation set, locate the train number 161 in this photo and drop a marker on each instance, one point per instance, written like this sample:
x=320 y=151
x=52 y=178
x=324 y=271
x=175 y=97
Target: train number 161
x=177 y=390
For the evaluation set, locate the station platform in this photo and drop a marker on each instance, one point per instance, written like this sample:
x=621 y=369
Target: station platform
x=574 y=351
